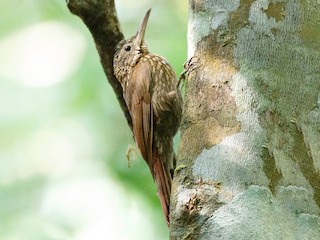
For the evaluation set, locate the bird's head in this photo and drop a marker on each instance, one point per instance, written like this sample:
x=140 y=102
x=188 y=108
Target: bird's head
x=128 y=52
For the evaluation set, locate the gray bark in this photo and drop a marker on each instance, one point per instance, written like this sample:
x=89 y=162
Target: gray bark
x=249 y=156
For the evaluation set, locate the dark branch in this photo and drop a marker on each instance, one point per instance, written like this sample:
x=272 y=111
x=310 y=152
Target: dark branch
x=101 y=19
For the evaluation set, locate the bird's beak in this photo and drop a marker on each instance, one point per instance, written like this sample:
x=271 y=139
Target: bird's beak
x=142 y=29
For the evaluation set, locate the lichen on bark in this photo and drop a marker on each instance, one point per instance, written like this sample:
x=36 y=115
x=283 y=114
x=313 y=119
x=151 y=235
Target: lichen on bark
x=268 y=54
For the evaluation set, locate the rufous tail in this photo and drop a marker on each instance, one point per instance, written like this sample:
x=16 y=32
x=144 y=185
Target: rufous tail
x=163 y=179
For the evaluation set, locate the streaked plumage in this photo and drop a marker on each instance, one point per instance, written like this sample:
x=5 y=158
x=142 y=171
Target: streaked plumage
x=155 y=105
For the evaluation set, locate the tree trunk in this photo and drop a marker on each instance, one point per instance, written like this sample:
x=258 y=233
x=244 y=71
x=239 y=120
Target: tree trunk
x=249 y=157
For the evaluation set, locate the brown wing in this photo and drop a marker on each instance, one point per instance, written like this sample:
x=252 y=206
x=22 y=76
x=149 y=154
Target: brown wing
x=138 y=99
x=138 y=96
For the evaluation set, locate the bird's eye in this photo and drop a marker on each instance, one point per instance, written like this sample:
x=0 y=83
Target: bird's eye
x=127 y=48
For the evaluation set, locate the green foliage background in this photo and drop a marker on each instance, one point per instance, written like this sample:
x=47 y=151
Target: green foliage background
x=63 y=144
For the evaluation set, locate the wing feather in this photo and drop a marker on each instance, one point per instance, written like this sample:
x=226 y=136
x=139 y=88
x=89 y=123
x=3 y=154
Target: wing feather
x=139 y=100
x=138 y=96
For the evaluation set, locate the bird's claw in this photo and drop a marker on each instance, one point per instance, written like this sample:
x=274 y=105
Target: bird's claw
x=132 y=152
x=190 y=65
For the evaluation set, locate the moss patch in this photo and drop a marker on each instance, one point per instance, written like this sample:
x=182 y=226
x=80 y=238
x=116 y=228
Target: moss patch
x=276 y=11
x=270 y=169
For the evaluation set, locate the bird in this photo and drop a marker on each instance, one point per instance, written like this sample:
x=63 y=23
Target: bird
x=154 y=100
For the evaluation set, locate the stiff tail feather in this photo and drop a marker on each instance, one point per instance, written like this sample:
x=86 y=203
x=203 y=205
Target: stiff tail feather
x=163 y=179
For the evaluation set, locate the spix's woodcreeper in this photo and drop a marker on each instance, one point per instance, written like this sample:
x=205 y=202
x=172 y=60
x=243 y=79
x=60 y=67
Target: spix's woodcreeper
x=155 y=104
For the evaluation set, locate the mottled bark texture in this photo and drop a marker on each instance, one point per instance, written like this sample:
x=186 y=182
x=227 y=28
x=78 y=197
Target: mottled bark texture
x=101 y=19
x=249 y=156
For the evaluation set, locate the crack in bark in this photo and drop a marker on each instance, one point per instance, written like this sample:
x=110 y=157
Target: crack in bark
x=203 y=199
x=305 y=162
x=270 y=169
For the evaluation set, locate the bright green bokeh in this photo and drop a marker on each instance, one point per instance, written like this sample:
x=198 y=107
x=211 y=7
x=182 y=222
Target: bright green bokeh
x=63 y=144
